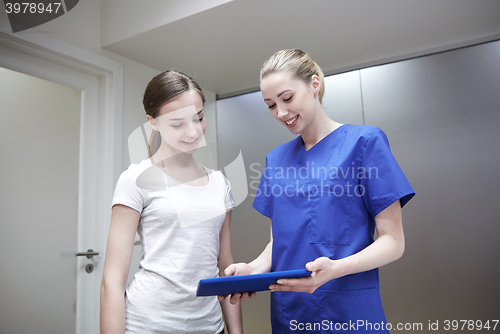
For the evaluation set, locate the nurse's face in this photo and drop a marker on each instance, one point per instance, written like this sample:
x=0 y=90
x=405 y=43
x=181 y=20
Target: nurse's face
x=181 y=123
x=291 y=101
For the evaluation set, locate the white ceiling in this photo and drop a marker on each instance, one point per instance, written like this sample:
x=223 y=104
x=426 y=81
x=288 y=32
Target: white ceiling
x=224 y=46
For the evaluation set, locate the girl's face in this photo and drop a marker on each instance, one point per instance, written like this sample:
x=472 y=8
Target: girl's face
x=291 y=101
x=181 y=123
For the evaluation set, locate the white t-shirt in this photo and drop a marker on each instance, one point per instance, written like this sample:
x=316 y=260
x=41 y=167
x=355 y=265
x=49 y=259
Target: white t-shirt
x=179 y=229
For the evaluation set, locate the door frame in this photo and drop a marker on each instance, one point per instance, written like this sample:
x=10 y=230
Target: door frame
x=100 y=158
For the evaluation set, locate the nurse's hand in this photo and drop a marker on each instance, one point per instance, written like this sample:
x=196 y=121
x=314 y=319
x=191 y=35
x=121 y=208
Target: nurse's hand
x=323 y=270
x=236 y=270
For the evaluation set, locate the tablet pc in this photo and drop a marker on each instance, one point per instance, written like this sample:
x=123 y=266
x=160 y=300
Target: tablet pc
x=244 y=283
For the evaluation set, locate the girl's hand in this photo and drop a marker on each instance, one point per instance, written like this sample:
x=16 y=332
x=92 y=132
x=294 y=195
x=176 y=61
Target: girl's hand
x=236 y=270
x=323 y=269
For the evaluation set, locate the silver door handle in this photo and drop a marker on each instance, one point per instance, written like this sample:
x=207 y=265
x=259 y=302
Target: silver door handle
x=89 y=253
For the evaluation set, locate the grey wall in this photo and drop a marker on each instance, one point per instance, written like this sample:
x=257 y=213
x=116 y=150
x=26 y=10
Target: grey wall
x=441 y=114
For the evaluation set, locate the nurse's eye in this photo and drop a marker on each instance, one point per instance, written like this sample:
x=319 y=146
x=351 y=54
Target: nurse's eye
x=288 y=99
x=176 y=126
x=199 y=119
x=272 y=106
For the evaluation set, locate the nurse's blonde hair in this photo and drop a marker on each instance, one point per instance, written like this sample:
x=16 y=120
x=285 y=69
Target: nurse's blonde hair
x=297 y=63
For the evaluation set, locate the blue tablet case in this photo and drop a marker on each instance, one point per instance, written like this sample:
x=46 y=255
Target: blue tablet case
x=244 y=283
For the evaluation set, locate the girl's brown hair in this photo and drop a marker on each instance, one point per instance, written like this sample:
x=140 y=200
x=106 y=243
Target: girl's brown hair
x=162 y=89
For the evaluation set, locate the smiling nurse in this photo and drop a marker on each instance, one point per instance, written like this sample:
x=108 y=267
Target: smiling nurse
x=327 y=223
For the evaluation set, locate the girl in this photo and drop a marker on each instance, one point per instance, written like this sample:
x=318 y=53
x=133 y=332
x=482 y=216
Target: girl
x=181 y=212
x=341 y=182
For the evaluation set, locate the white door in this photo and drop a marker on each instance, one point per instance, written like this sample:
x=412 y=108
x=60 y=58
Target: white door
x=56 y=188
x=39 y=150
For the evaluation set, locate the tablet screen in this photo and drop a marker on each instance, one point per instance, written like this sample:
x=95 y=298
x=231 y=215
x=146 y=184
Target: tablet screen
x=244 y=283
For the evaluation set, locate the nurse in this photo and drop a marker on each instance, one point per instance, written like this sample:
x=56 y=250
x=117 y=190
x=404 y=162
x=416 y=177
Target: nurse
x=326 y=193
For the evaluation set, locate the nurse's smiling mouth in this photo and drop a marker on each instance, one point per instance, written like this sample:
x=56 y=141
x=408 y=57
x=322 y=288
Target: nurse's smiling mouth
x=292 y=121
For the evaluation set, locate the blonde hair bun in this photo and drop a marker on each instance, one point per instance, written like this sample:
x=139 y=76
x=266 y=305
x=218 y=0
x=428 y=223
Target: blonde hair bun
x=296 y=62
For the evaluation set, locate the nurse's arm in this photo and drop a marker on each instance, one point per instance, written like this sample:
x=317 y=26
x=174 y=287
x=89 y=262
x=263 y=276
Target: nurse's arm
x=388 y=247
x=262 y=264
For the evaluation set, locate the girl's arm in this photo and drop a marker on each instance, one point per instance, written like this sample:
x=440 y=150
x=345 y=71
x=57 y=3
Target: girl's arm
x=388 y=247
x=262 y=264
x=124 y=221
x=232 y=313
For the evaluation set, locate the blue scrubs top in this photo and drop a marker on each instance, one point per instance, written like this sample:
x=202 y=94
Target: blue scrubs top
x=322 y=202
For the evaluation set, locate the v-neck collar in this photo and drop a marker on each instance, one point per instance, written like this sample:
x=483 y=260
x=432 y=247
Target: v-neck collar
x=301 y=142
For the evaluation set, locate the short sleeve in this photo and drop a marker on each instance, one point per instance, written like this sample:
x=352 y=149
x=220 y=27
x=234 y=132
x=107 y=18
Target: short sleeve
x=128 y=193
x=228 y=199
x=262 y=201
x=382 y=181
